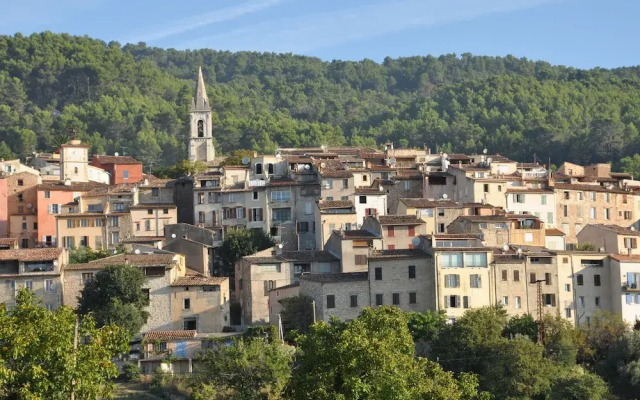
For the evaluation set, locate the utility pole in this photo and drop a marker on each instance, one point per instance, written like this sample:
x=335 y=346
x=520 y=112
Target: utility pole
x=540 y=301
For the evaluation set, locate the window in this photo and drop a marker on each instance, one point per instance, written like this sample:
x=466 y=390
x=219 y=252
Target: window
x=550 y=218
x=395 y=299
x=579 y=279
x=452 y=301
x=190 y=324
x=281 y=214
x=486 y=188
x=47 y=194
x=270 y=168
x=465 y=301
x=87 y=277
x=565 y=210
x=475 y=259
x=451 y=260
x=505 y=300
x=516 y=275
x=379 y=299
x=547 y=278
x=150 y=211
x=607 y=213
x=504 y=274
x=596 y=280
x=28 y=285
x=597 y=301
x=565 y=228
x=48 y=285
x=344 y=198
x=378 y=273
x=69 y=223
x=452 y=281
x=256 y=214
x=362 y=199
x=391 y=231
x=361 y=259
x=365 y=178
x=147 y=225
x=258 y=167
x=440 y=212
x=25 y=242
x=567 y=287
x=186 y=304
x=54 y=208
x=543 y=199
x=627 y=214
x=345 y=183
x=475 y=281
x=630 y=243
x=550 y=300
x=580 y=301
x=517 y=303
x=412 y=298
x=412 y=231
x=115 y=221
x=440 y=228
x=532 y=277
x=412 y=272
x=155 y=192
x=593 y=213
x=354 y=300
x=593 y=196
x=567 y=195
x=518 y=198
x=407 y=185
x=567 y=312
x=607 y=197
x=327 y=184
x=280 y=196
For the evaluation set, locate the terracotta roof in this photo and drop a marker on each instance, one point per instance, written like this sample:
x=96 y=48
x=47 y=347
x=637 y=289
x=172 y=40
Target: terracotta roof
x=335 y=278
x=484 y=218
x=359 y=234
x=289 y=286
x=158 y=183
x=142 y=239
x=114 y=189
x=507 y=259
x=169 y=335
x=588 y=188
x=438 y=236
x=285 y=181
x=398 y=253
x=426 y=203
x=529 y=190
x=370 y=191
x=8 y=241
x=400 y=220
x=617 y=229
x=308 y=255
x=199 y=280
x=326 y=204
x=624 y=257
x=116 y=159
x=152 y=205
x=73 y=187
x=335 y=173
x=43 y=254
x=264 y=259
x=553 y=232
x=139 y=260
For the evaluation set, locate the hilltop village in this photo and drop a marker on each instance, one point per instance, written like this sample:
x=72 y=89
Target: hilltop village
x=353 y=227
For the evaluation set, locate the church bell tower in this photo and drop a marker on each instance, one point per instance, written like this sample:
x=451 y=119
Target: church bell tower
x=201 y=136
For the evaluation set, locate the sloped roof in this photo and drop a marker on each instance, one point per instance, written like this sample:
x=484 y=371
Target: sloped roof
x=397 y=254
x=400 y=220
x=169 y=335
x=588 y=188
x=326 y=204
x=359 y=234
x=116 y=160
x=617 y=229
x=139 y=260
x=199 y=280
x=43 y=254
x=553 y=232
x=334 y=278
x=426 y=203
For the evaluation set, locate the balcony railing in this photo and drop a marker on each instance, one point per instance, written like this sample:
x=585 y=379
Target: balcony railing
x=630 y=287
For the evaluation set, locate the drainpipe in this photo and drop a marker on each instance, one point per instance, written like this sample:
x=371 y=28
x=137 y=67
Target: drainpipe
x=526 y=285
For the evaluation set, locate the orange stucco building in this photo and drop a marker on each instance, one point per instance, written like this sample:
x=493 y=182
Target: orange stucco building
x=122 y=169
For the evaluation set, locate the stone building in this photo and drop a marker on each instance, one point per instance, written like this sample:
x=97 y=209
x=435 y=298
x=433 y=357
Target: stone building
x=331 y=215
x=611 y=239
x=39 y=270
x=342 y=295
x=352 y=248
x=397 y=231
x=21 y=207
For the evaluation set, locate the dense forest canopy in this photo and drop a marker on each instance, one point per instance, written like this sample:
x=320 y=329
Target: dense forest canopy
x=136 y=99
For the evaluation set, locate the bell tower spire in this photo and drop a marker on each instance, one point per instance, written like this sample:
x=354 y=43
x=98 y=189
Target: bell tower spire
x=201 y=135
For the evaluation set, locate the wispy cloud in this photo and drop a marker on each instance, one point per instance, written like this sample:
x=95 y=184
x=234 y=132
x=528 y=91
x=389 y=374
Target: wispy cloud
x=200 y=20
x=306 y=33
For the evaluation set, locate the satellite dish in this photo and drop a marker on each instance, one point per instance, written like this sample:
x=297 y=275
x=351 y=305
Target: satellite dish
x=415 y=241
x=29 y=205
x=489 y=159
x=221 y=170
x=444 y=195
x=280 y=245
x=55 y=263
x=173 y=235
x=137 y=251
x=484 y=151
x=245 y=161
x=392 y=160
x=445 y=155
x=519 y=251
x=307 y=167
x=116 y=154
x=633 y=228
x=505 y=247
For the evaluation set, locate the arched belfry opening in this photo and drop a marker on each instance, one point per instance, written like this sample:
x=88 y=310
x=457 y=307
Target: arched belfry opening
x=200 y=128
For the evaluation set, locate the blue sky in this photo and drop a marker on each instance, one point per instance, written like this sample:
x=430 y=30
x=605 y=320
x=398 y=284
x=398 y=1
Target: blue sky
x=579 y=33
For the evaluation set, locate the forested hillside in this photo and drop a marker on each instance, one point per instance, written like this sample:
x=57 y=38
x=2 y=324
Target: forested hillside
x=138 y=97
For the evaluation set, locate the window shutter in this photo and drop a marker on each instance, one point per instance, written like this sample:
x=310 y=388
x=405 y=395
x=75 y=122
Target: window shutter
x=446 y=281
x=251 y=215
x=634 y=243
x=457 y=301
x=553 y=300
x=244 y=212
x=446 y=301
x=465 y=301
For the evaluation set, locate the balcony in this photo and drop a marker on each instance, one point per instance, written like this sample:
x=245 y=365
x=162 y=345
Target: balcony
x=630 y=287
x=257 y=183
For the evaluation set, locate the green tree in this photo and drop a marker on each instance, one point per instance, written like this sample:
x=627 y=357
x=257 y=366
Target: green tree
x=239 y=243
x=115 y=296
x=425 y=327
x=236 y=156
x=631 y=165
x=370 y=357
x=297 y=313
x=84 y=254
x=521 y=325
x=248 y=369
x=37 y=356
x=5 y=152
x=604 y=329
x=621 y=367
x=585 y=247
x=578 y=384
